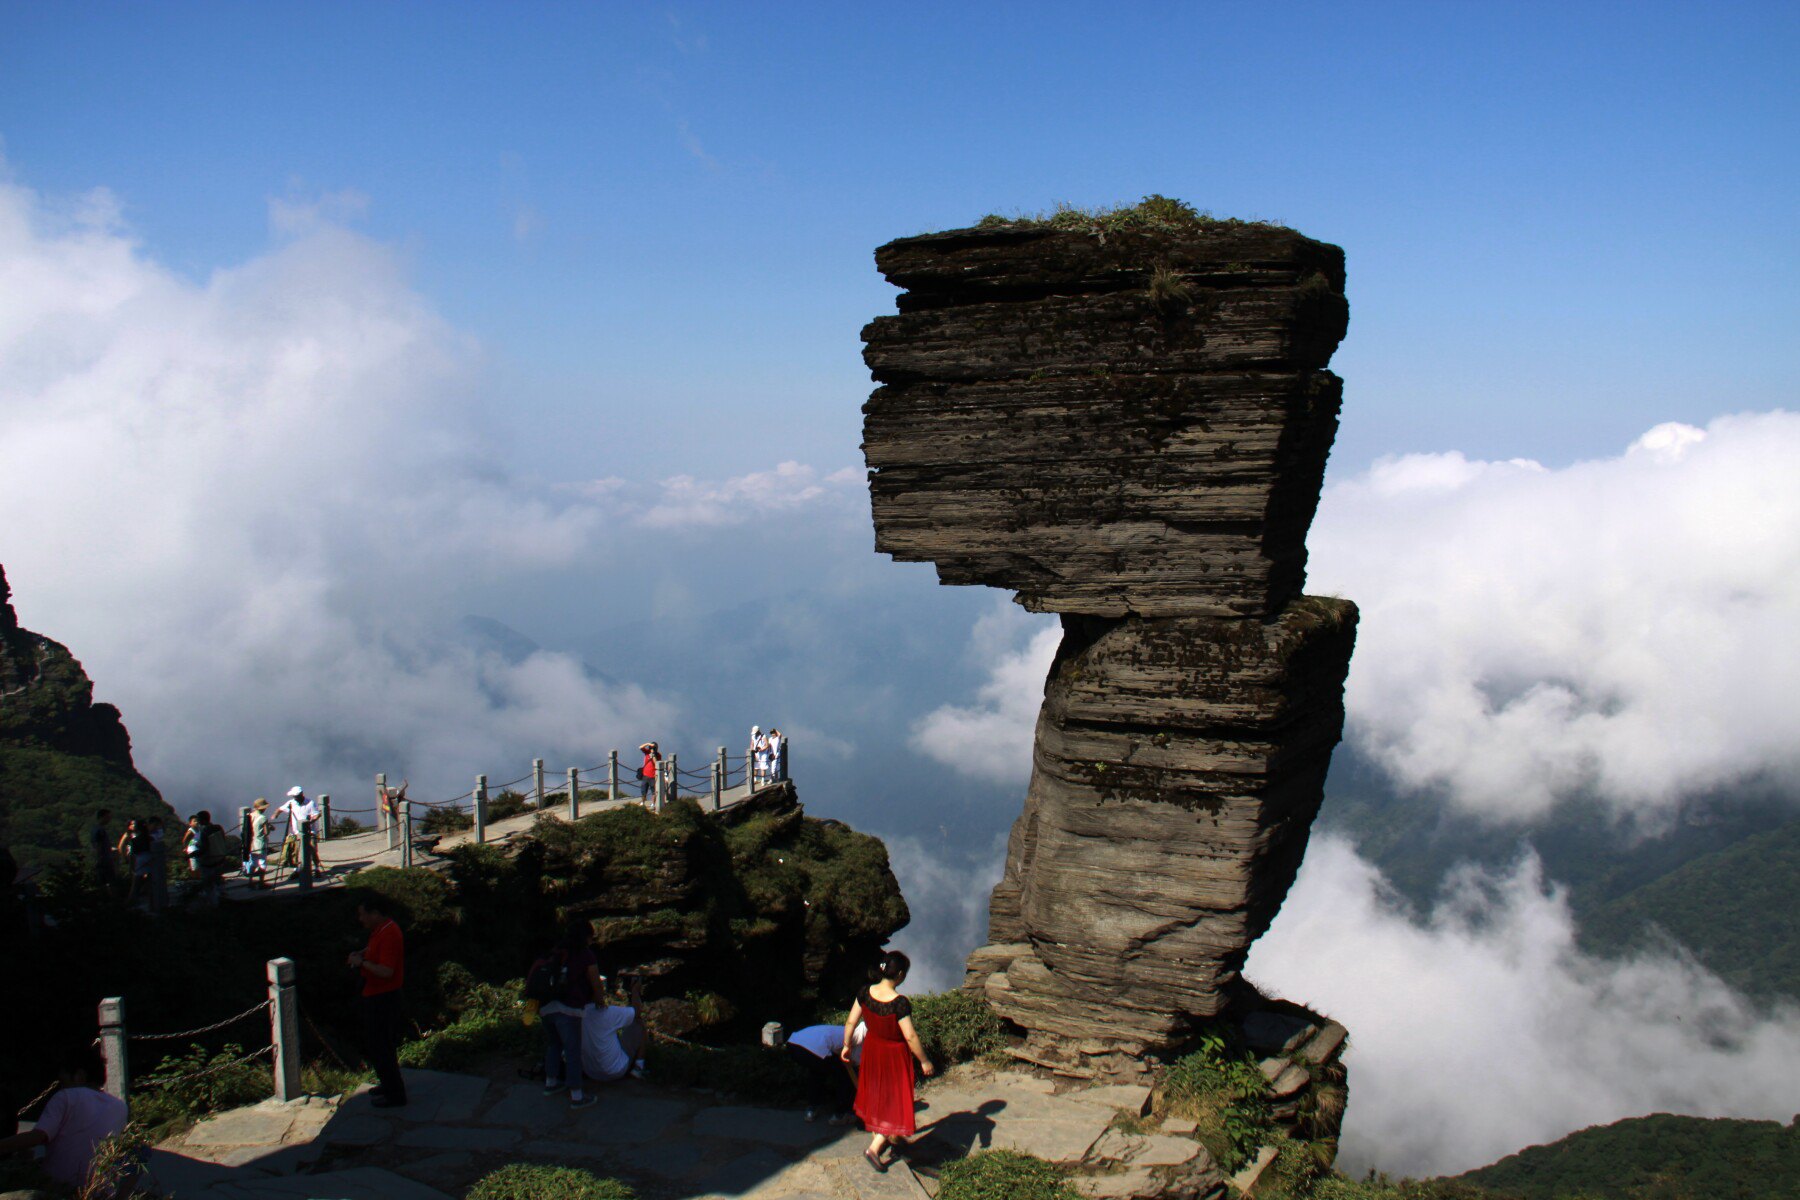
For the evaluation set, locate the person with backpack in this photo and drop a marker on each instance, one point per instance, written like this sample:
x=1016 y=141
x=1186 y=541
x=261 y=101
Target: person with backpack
x=215 y=856
x=565 y=983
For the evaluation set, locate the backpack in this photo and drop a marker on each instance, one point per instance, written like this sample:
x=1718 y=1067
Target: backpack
x=213 y=848
x=548 y=979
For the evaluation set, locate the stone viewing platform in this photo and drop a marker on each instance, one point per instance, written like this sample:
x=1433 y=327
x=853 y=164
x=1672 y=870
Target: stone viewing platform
x=672 y=1143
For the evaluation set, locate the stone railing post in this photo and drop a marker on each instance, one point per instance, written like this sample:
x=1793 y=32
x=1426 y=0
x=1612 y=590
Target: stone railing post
x=389 y=821
x=537 y=781
x=749 y=769
x=406 y=847
x=612 y=774
x=481 y=808
x=284 y=1028
x=674 y=792
x=718 y=786
x=574 y=794
x=304 y=873
x=724 y=769
x=112 y=1047
x=325 y=816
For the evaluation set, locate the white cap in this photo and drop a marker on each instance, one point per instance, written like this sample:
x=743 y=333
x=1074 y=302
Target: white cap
x=755 y=729
x=296 y=790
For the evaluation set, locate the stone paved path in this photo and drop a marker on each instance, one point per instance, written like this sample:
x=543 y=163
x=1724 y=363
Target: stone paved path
x=670 y=1145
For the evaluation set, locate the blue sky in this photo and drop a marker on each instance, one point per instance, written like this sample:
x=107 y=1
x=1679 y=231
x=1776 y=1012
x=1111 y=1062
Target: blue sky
x=1564 y=224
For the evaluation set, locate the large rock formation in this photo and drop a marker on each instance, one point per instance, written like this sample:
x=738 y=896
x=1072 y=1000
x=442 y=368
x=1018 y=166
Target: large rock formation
x=61 y=754
x=1126 y=421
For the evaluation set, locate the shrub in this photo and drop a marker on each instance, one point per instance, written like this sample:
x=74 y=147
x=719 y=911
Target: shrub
x=957 y=1026
x=1380 y=1187
x=1004 y=1175
x=1220 y=1087
x=489 y=1019
x=446 y=820
x=185 y=1087
x=507 y=804
x=345 y=826
x=421 y=895
x=530 y=1181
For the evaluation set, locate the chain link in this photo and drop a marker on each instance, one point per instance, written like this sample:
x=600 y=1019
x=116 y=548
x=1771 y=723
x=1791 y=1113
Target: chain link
x=168 y=1037
x=37 y=1099
x=165 y=1081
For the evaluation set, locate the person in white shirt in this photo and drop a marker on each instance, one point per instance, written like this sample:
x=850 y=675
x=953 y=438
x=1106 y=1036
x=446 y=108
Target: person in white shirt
x=777 y=756
x=612 y=1037
x=759 y=756
x=303 y=823
x=74 y=1121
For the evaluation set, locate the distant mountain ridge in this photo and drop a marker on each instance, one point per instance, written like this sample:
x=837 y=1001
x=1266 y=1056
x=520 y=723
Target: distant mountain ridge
x=61 y=754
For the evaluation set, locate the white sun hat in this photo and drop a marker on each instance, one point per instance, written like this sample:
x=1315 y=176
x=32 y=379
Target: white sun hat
x=296 y=790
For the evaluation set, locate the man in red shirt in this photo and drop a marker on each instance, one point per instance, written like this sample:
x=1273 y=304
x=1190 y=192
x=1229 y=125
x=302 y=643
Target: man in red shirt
x=382 y=964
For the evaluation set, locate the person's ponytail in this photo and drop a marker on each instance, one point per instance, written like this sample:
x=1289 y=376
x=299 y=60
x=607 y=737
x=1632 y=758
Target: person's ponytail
x=892 y=965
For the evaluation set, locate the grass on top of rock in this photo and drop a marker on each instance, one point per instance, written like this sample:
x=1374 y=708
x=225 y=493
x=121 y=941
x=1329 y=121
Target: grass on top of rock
x=532 y=1181
x=1153 y=213
x=1222 y=1090
x=1004 y=1175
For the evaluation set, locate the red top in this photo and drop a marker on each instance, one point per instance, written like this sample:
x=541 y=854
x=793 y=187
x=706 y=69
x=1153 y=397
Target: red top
x=649 y=765
x=387 y=948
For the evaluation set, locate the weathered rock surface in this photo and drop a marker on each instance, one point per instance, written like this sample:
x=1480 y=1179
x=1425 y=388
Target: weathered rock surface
x=61 y=754
x=1052 y=423
x=1128 y=424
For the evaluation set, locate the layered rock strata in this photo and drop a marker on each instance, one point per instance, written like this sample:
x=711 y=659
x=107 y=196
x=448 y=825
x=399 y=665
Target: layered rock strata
x=1129 y=427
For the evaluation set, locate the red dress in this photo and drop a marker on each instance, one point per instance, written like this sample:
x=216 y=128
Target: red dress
x=884 y=1085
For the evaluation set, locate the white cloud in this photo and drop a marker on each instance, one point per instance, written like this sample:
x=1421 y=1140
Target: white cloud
x=991 y=739
x=1481 y=1028
x=243 y=501
x=1625 y=627
x=947 y=892
x=685 y=501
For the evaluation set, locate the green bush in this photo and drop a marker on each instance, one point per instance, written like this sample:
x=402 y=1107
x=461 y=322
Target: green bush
x=530 y=1181
x=1220 y=1087
x=446 y=820
x=421 y=895
x=957 y=1026
x=1004 y=1175
x=185 y=1087
x=1380 y=1187
x=489 y=1019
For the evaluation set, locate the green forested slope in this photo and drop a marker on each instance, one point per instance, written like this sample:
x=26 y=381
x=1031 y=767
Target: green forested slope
x=1659 y=1157
x=1738 y=909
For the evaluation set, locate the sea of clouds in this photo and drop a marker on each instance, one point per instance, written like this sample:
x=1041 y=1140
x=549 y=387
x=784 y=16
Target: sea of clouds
x=257 y=505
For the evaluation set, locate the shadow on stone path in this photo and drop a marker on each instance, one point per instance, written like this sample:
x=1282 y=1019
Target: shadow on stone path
x=669 y=1145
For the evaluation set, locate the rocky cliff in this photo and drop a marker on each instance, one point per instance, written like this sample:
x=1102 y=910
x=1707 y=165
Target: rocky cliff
x=61 y=754
x=1125 y=419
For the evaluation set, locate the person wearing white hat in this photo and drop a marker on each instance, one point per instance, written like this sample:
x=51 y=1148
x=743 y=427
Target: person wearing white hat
x=303 y=825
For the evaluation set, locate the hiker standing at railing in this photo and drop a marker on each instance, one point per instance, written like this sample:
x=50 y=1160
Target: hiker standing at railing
x=303 y=824
x=382 y=964
x=647 y=772
x=256 y=845
x=777 y=756
x=759 y=756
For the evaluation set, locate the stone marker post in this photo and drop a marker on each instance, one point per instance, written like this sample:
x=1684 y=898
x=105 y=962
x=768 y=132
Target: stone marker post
x=284 y=1028
x=537 y=782
x=612 y=774
x=574 y=794
x=481 y=808
x=112 y=1046
x=325 y=816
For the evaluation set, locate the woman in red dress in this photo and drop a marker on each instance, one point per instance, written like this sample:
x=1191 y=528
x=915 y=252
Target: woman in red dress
x=884 y=1086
